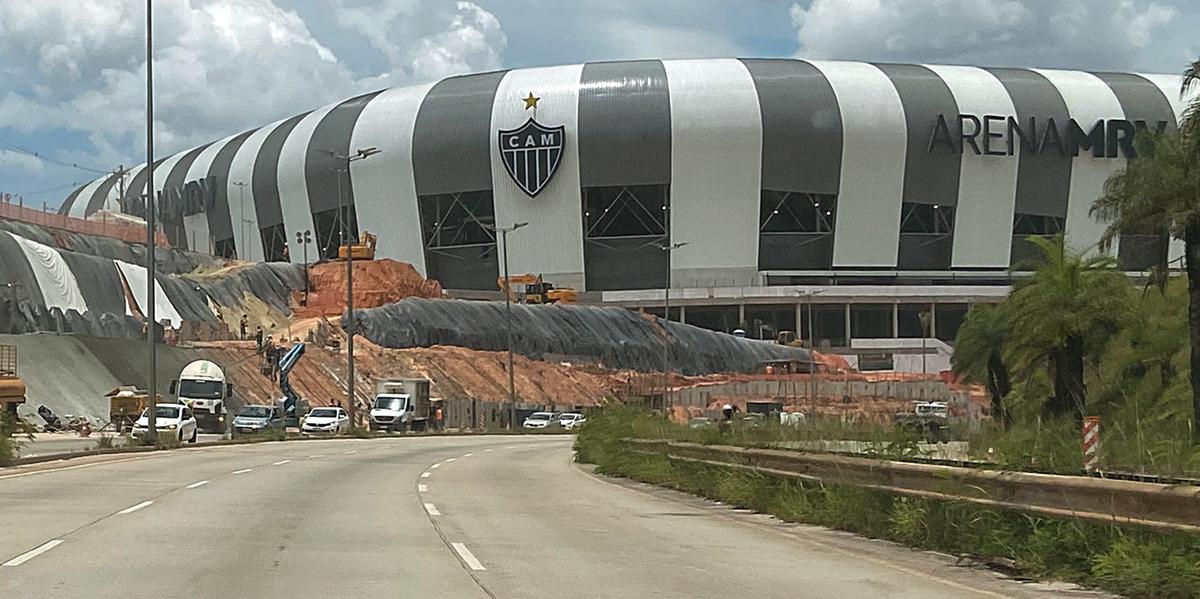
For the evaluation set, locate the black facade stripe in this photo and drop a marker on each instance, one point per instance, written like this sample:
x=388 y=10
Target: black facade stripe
x=929 y=177
x=1140 y=99
x=624 y=124
x=65 y=208
x=453 y=136
x=220 y=221
x=97 y=200
x=801 y=126
x=332 y=134
x=178 y=175
x=137 y=187
x=265 y=180
x=1044 y=178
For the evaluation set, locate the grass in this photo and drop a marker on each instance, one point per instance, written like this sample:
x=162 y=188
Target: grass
x=1131 y=562
x=12 y=433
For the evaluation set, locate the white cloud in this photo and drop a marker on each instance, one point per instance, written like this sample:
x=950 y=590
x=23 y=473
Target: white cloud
x=220 y=65
x=16 y=161
x=1096 y=34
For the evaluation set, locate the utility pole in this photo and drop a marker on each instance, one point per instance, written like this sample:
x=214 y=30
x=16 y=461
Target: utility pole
x=245 y=247
x=666 y=388
x=512 y=388
x=303 y=239
x=811 y=341
x=351 y=323
x=152 y=383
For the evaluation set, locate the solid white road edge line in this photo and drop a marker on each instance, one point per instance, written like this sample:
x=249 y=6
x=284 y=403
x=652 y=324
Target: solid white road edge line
x=198 y=484
x=422 y=489
x=243 y=471
x=432 y=510
x=425 y=474
x=319 y=455
x=468 y=557
x=281 y=462
x=32 y=553
x=133 y=508
x=351 y=451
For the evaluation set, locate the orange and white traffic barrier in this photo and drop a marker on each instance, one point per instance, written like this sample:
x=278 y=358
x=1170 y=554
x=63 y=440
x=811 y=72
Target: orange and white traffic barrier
x=1091 y=443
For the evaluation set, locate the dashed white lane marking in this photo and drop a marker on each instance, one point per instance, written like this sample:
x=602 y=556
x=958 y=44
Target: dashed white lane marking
x=425 y=474
x=432 y=510
x=351 y=451
x=467 y=455
x=435 y=466
x=133 y=508
x=451 y=459
x=199 y=483
x=510 y=446
x=532 y=446
x=313 y=457
x=243 y=471
x=468 y=557
x=422 y=489
x=32 y=553
x=486 y=450
x=281 y=462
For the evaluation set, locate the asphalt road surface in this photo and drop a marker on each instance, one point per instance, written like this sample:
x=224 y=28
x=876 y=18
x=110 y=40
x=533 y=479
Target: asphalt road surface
x=55 y=443
x=471 y=517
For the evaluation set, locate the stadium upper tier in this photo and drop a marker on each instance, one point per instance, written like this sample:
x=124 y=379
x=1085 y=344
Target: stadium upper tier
x=769 y=170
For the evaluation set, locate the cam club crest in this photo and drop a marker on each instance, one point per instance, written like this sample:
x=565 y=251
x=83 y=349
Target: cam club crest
x=531 y=152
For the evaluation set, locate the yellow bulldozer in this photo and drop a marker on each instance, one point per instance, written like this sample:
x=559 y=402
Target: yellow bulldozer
x=12 y=388
x=363 y=250
x=536 y=290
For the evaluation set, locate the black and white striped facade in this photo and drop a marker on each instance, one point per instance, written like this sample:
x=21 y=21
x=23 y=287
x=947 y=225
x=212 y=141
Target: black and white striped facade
x=773 y=172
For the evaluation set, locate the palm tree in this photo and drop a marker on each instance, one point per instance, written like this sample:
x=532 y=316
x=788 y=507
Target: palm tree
x=1160 y=192
x=979 y=355
x=1061 y=316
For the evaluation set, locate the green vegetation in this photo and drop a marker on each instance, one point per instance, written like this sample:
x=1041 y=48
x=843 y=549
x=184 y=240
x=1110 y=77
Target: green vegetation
x=1133 y=562
x=12 y=431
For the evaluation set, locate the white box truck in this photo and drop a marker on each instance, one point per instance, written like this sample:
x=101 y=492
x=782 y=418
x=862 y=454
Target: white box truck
x=400 y=405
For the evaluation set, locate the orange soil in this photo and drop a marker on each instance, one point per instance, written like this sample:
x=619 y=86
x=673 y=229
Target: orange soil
x=376 y=282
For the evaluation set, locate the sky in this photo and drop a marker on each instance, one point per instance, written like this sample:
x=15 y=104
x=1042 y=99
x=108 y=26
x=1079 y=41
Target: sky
x=72 y=72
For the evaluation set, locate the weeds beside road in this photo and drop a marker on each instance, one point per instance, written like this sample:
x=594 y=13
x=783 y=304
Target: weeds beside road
x=1132 y=562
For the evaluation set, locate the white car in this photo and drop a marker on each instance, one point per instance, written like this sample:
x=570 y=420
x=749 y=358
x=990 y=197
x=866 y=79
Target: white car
x=325 y=421
x=168 y=418
x=571 y=420
x=540 y=420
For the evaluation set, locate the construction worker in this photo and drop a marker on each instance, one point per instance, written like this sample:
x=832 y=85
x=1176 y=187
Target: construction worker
x=437 y=418
x=245 y=322
x=258 y=339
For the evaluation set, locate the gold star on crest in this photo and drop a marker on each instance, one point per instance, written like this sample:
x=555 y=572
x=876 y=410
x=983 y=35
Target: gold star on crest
x=531 y=101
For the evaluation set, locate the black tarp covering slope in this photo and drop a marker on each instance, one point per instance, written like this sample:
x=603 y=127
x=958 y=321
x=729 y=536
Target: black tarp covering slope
x=614 y=337
x=168 y=260
x=271 y=282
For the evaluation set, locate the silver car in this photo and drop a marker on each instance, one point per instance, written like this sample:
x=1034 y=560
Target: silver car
x=539 y=420
x=571 y=420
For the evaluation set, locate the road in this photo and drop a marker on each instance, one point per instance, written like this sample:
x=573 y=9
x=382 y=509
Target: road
x=55 y=443
x=446 y=517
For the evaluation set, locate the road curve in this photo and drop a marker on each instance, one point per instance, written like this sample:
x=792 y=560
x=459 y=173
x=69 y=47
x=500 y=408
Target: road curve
x=420 y=517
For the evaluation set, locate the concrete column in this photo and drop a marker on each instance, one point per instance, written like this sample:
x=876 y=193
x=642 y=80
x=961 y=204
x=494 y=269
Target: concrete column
x=933 y=320
x=742 y=317
x=895 y=320
x=849 y=336
x=800 y=332
x=682 y=314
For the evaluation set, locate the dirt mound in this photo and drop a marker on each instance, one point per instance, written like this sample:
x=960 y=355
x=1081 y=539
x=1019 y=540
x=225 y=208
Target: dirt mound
x=376 y=283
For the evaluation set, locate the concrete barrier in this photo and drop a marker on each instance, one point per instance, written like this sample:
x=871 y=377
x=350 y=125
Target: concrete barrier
x=1162 y=507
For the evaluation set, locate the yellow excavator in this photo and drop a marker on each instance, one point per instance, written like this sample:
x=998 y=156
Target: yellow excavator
x=363 y=250
x=537 y=291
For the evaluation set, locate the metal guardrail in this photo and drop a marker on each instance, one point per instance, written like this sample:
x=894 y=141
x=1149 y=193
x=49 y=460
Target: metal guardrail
x=1166 y=507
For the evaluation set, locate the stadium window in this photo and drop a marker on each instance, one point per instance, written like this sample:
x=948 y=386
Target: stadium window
x=949 y=317
x=795 y=230
x=460 y=249
x=623 y=227
x=1141 y=250
x=328 y=228
x=274 y=240
x=871 y=321
x=1025 y=255
x=224 y=248
x=908 y=320
x=926 y=236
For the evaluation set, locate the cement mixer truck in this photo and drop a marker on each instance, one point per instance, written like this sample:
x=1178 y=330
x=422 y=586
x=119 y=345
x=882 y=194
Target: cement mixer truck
x=201 y=386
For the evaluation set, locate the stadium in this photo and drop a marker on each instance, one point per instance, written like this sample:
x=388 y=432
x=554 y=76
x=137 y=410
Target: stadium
x=838 y=199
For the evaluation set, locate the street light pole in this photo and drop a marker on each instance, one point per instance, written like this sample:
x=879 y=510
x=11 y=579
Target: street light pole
x=152 y=376
x=351 y=324
x=812 y=387
x=512 y=388
x=303 y=238
x=242 y=227
x=669 y=249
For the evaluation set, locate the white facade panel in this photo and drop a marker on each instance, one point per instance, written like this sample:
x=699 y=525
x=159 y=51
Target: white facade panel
x=112 y=202
x=385 y=196
x=79 y=208
x=293 y=184
x=987 y=187
x=242 y=211
x=874 y=146
x=196 y=226
x=716 y=166
x=552 y=244
x=1088 y=100
x=164 y=169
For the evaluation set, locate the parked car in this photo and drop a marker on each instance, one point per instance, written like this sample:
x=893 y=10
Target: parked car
x=325 y=421
x=257 y=419
x=571 y=420
x=540 y=420
x=168 y=418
